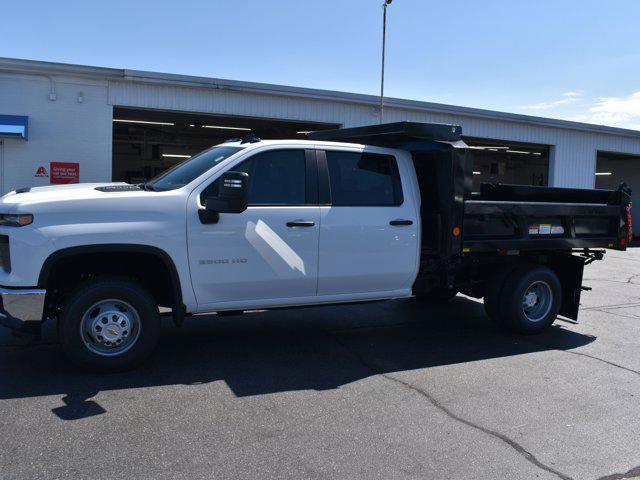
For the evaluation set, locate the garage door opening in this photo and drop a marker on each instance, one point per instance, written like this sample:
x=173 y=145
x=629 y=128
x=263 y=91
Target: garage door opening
x=614 y=168
x=508 y=162
x=147 y=142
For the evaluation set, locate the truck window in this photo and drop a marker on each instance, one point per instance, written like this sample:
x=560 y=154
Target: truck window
x=363 y=179
x=276 y=178
x=184 y=172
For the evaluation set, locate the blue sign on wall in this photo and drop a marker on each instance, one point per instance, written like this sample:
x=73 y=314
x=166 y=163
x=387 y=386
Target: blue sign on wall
x=16 y=126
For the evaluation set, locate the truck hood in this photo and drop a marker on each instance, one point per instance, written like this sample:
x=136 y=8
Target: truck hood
x=56 y=193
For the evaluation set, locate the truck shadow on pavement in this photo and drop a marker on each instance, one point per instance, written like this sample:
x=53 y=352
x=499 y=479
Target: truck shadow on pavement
x=258 y=353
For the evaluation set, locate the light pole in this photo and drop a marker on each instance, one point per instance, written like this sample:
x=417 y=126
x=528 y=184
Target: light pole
x=384 y=39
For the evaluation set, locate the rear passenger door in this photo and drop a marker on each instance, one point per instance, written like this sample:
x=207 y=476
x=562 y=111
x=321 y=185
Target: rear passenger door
x=368 y=225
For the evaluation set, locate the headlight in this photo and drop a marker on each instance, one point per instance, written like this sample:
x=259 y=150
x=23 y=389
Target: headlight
x=15 y=220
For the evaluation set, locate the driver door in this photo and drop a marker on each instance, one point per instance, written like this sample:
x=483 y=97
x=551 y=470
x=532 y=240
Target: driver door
x=268 y=254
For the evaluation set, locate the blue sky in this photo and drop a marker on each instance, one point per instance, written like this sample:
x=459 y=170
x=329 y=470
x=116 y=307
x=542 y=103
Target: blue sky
x=571 y=59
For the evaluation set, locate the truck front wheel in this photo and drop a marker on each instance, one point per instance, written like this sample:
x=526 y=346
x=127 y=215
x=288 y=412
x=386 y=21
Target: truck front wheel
x=530 y=299
x=109 y=324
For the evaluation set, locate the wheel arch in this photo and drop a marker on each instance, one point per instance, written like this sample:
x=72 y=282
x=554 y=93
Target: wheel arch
x=47 y=272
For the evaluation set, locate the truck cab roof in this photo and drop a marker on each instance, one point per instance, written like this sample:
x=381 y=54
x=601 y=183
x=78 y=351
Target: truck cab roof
x=302 y=143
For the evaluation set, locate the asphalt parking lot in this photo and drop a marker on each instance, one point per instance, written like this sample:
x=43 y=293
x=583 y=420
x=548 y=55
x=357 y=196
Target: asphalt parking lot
x=388 y=390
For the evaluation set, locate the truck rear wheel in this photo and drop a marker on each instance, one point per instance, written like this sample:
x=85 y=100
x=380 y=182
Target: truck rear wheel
x=529 y=300
x=109 y=324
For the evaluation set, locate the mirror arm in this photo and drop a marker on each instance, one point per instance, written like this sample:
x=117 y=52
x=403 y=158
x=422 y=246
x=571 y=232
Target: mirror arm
x=208 y=216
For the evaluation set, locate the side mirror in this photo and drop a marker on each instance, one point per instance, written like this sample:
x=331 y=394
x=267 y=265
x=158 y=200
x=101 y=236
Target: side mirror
x=232 y=197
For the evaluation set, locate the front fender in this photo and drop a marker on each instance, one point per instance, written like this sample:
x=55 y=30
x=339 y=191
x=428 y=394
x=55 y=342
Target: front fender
x=28 y=249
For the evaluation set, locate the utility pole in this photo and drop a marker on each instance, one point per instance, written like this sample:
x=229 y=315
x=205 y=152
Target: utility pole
x=384 y=39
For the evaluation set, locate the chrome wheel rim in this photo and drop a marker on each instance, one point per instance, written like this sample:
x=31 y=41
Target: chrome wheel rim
x=536 y=301
x=110 y=327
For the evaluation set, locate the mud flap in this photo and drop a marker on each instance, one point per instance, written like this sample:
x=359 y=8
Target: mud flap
x=569 y=269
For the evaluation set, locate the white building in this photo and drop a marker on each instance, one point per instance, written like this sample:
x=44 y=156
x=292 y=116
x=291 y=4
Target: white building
x=61 y=123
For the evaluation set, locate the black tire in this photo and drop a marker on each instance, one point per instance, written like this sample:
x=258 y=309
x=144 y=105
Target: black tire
x=440 y=295
x=130 y=299
x=546 y=303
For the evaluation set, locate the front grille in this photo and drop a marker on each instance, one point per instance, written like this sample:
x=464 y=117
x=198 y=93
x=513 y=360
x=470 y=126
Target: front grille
x=5 y=258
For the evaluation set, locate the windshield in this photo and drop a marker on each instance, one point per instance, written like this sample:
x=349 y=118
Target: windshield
x=184 y=172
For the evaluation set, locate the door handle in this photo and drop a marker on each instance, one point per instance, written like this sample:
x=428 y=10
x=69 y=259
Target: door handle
x=301 y=223
x=399 y=223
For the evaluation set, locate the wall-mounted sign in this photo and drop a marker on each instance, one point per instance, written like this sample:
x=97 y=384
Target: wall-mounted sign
x=41 y=172
x=64 y=172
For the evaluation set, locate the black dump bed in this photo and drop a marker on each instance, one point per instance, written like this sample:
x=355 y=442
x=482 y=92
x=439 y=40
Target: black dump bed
x=499 y=218
x=516 y=217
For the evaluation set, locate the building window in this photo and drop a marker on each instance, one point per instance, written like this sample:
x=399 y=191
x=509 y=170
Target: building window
x=508 y=162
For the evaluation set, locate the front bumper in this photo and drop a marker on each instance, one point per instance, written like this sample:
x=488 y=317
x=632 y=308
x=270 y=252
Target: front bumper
x=21 y=309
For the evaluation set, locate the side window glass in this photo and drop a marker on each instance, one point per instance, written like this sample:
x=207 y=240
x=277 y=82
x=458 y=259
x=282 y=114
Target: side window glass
x=363 y=179
x=275 y=178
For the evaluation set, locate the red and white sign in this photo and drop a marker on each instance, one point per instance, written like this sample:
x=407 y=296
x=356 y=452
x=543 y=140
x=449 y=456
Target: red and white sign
x=64 y=172
x=41 y=172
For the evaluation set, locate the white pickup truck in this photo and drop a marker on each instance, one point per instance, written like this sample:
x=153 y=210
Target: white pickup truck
x=253 y=224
